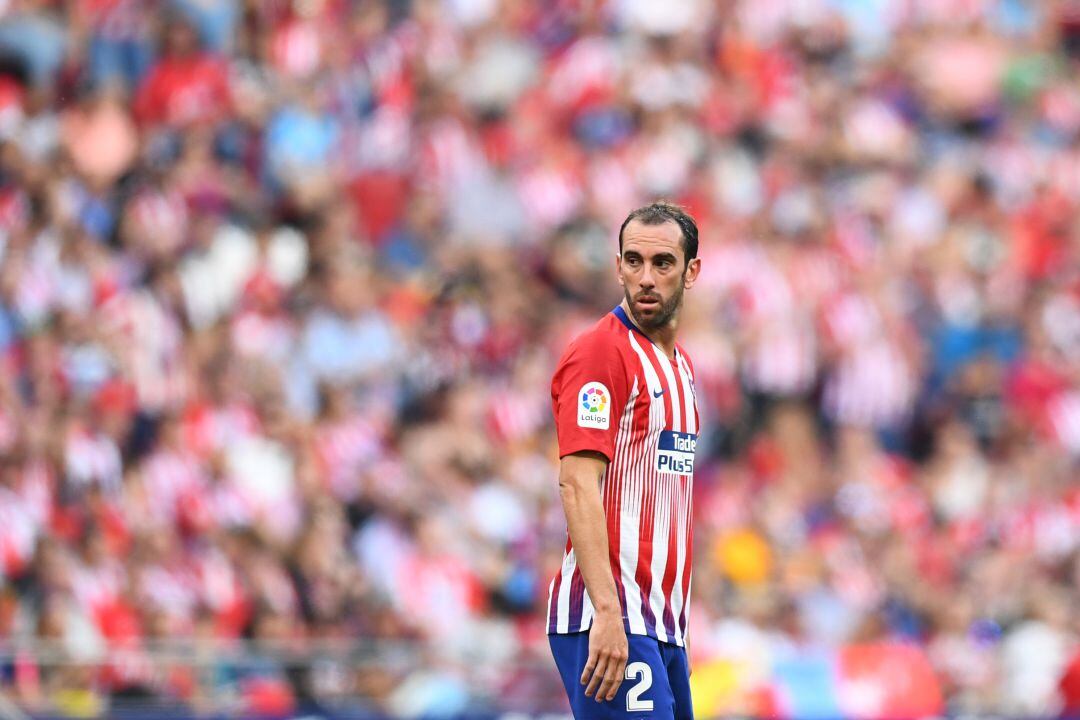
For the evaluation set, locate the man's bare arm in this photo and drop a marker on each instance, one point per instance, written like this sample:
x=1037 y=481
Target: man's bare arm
x=579 y=488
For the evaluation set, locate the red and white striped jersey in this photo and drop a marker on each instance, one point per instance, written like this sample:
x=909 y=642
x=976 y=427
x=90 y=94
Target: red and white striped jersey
x=616 y=393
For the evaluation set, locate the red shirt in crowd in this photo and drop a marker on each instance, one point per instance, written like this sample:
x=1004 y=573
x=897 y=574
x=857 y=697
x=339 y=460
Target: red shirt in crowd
x=183 y=91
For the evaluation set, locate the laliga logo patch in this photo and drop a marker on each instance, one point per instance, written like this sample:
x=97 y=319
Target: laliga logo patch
x=594 y=406
x=675 y=453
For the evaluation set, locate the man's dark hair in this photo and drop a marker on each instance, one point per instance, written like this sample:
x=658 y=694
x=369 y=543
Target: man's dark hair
x=660 y=212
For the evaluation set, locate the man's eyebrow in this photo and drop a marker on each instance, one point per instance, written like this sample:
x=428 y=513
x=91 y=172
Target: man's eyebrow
x=658 y=257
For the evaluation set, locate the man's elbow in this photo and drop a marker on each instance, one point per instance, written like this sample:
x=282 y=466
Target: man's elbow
x=568 y=486
x=579 y=489
x=572 y=488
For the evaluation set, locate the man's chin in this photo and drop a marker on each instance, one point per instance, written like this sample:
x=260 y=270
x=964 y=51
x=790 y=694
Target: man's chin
x=649 y=318
x=647 y=314
x=654 y=315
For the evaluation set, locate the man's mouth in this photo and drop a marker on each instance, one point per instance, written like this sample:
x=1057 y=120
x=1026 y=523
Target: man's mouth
x=648 y=301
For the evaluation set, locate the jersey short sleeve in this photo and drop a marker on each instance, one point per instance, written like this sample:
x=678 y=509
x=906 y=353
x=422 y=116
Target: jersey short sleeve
x=588 y=394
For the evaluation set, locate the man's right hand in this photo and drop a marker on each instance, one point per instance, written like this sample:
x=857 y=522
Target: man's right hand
x=608 y=652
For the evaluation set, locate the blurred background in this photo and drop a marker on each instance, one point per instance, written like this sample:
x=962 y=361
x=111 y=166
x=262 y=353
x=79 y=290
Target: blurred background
x=283 y=282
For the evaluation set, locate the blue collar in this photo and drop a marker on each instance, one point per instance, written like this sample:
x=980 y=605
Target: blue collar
x=621 y=314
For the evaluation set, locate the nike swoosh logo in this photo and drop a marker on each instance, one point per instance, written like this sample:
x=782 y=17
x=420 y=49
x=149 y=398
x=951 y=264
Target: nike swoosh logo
x=656 y=393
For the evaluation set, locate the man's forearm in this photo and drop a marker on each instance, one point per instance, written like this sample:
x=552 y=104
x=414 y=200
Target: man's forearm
x=588 y=534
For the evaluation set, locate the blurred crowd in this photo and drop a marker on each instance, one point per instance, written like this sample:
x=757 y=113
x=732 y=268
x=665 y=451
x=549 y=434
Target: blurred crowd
x=282 y=284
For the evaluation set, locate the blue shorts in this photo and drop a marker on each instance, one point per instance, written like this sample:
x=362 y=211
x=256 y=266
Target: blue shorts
x=657 y=683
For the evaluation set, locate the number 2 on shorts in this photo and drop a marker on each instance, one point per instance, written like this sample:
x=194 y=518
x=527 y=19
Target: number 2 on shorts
x=641 y=670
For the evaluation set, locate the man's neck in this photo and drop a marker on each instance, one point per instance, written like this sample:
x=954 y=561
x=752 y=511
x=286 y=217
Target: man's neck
x=663 y=337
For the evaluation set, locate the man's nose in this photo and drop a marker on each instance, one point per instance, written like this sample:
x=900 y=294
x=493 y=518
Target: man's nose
x=647 y=280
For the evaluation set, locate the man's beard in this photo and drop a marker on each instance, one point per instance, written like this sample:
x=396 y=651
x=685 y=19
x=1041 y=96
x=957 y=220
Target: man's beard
x=664 y=314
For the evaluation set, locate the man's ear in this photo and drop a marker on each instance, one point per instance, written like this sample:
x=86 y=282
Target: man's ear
x=618 y=269
x=693 y=269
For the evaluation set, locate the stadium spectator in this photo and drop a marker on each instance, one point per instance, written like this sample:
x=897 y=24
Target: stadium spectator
x=282 y=285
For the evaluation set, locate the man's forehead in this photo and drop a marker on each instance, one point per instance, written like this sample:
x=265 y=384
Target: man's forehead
x=665 y=237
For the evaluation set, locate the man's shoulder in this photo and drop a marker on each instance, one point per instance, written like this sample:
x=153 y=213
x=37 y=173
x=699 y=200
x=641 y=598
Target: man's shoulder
x=605 y=338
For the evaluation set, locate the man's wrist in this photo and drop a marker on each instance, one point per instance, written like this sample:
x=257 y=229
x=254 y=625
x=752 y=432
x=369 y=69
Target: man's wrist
x=612 y=609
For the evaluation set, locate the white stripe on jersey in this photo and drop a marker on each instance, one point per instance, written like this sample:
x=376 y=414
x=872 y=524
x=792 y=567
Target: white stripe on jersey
x=551 y=590
x=586 y=609
x=688 y=394
x=629 y=540
x=676 y=402
x=652 y=380
x=568 y=566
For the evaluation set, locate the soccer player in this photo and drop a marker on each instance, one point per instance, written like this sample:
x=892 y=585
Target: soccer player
x=627 y=422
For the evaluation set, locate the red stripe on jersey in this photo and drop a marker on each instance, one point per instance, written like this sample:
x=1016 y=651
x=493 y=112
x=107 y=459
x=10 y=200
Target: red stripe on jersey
x=668 y=582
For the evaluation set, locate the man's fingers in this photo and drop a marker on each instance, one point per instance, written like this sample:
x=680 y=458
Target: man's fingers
x=620 y=675
x=612 y=679
x=597 y=676
x=589 y=665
